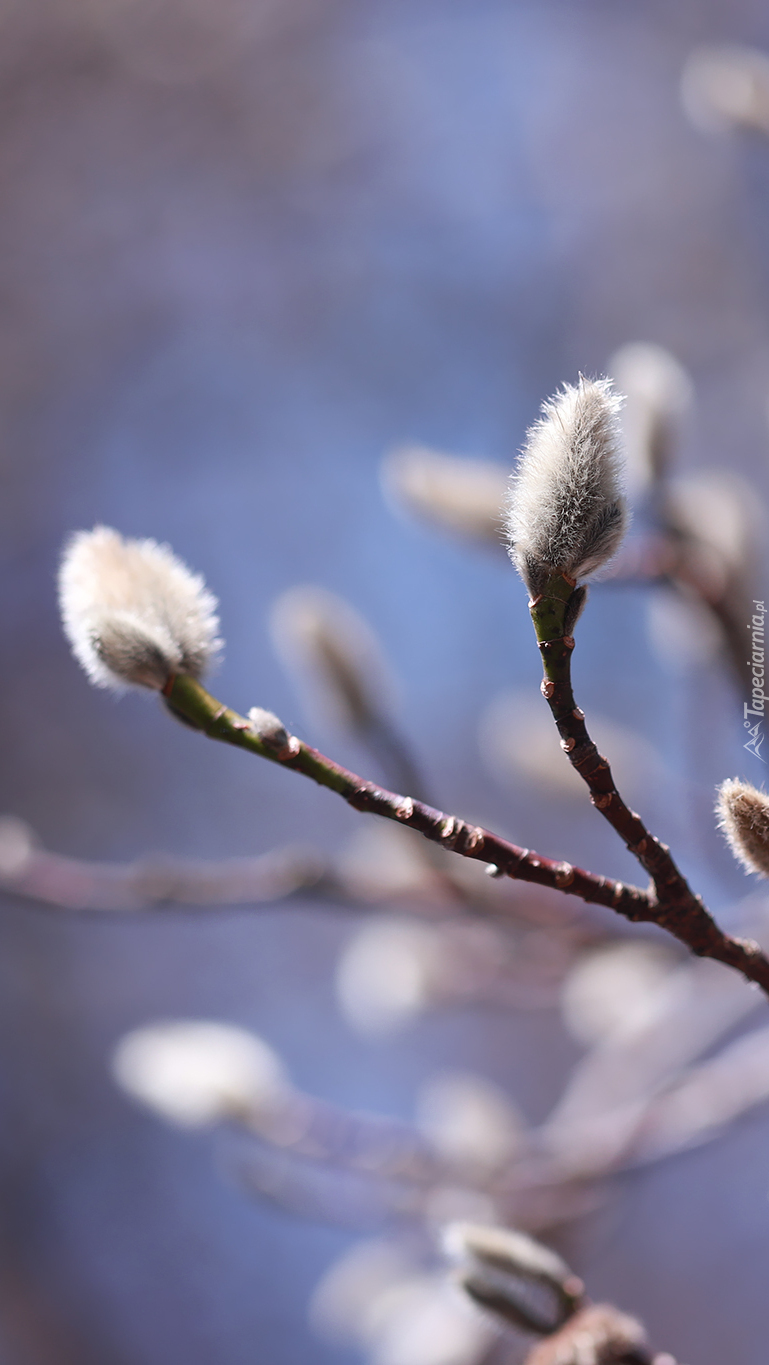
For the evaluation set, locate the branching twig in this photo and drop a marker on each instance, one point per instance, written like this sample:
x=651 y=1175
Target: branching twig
x=671 y=904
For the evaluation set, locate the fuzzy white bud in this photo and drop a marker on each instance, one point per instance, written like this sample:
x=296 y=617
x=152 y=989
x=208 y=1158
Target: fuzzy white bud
x=194 y=1073
x=132 y=612
x=743 y=816
x=566 y=510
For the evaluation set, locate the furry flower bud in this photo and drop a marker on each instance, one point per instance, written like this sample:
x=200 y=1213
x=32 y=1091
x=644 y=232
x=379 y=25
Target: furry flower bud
x=133 y=613
x=566 y=509
x=743 y=816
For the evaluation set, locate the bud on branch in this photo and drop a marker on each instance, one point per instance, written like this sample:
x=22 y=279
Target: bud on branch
x=133 y=613
x=743 y=816
x=566 y=510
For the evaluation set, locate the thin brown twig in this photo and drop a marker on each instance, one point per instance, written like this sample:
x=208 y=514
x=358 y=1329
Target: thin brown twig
x=670 y=903
x=450 y=832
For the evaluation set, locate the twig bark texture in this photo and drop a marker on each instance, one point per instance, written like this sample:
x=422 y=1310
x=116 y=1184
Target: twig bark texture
x=669 y=903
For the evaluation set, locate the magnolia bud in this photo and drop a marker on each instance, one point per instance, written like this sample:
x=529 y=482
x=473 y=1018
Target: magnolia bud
x=133 y=613
x=566 y=510
x=743 y=816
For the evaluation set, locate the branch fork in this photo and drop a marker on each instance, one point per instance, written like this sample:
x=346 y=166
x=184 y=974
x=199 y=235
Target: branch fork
x=669 y=903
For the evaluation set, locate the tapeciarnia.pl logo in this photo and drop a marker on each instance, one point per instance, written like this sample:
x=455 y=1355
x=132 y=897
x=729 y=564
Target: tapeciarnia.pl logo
x=755 y=707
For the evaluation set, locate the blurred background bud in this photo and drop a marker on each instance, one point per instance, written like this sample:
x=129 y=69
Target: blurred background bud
x=615 y=990
x=658 y=393
x=194 y=1073
x=388 y=973
x=520 y=746
x=343 y=1306
x=382 y=860
x=379 y=1297
x=716 y=524
x=333 y=656
x=391 y=970
x=469 y=1121
x=722 y=514
x=727 y=86
x=464 y=497
x=17 y=844
x=683 y=633
x=425 y=1322
x=514 y=1276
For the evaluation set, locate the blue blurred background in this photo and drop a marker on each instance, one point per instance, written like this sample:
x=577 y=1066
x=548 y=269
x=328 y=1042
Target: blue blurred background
x=245 y=247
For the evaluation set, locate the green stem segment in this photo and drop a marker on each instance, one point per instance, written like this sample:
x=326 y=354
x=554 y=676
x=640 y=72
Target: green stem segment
x=671 y=903
x=190 y=701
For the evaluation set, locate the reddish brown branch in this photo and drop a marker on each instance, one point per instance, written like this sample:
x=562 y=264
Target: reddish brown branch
x=671 y=903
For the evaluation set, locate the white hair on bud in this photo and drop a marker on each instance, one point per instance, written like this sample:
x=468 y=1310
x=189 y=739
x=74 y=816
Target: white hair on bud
x=743 y=816
x=194 y=1073
x=133 y=613
x=566 y=510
